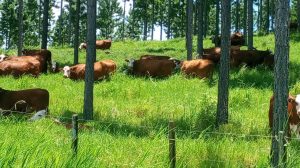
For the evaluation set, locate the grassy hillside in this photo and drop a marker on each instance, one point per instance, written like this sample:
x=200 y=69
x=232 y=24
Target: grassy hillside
x=132 y=115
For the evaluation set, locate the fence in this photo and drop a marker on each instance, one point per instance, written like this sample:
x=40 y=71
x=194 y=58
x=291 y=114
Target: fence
x=171 y=135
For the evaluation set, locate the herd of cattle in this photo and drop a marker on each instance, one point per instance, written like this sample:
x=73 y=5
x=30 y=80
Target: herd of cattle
x=35 y=62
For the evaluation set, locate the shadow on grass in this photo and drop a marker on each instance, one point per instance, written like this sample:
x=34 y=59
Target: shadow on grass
x=295 y=36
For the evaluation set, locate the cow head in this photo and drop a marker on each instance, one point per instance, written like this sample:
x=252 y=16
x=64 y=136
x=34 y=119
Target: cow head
x=54 y=67
x=3 y=57
x=130 y=63
x=297 y=104
x=66 y=71
x=176 y=62
x=38 y=115
x=82 y=45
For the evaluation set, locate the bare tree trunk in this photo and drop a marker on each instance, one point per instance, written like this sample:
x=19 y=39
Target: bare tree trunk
x=76 y=39
x=298 y=14
x=223 y=91
x=90 y=59
x=45 y=25
x=39 y=18
x=205 y=23
x=195 y=5
x=189 y=29
x=20 y=17
x=182 y=19
x=169 y=20
x=267 y=16
x=123 y=26
x=61 y=22
x=217 y=19
x=281 y=91
x=250 y=24
x=237 y=21
x=260 y=16
x=161 y=23
x=145 y=22
x=152 y=28
x=272 y=9
x=200 y=28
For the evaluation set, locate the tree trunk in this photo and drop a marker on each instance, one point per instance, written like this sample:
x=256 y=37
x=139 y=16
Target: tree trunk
x=76 y=39
x=20 y=17
x=195 y=18
x=39 y=17
x=267 y=16
x=145 y=29
x=161 y=23
x=260 y=16
x=169 y=20
x=281 y=91
x=152 y=28
x=123 y=26
x=223 y=91
x=90 y=59
x=182 y=19
x=245 y=21
x=272 y=9
x=200 y=28
x=189 y=29
x=298 y=15
x=45 y=24
x=237 y=19
x=205 y=18
x=250 y=24
x=61 y=22
x=217 y=19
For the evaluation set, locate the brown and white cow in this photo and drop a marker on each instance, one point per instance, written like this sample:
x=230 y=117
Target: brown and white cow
x=251 y=57
x=30 y=100
x=100 y=44
x=18 y=68
x=102 y=69
x=3 y=57
x=43 y=55
x=201 y=68
x=293 y=114
x=152 y=67
x=214 y=53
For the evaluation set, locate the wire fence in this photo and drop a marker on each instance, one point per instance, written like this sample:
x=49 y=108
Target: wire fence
x=171 y=130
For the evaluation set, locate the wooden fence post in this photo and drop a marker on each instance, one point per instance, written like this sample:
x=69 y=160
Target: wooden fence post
x=172 y=147
x=75 y=133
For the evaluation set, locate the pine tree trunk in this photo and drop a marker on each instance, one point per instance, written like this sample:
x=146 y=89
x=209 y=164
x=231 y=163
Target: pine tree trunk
x=161 y=24
x=90 y=59
x=169 y=20
x=152 y=28
x=123 y=25
x=205 y=18
x=182 y=19
x=189 y=30
x=45 y=24
x=250 y=24
x=61 y=22
x=223 y=84
x=195 y=5
x=245 y=21
x=39 y=18
x=200 y=28
x=260 y=16
x=298 y=15
x=272 y=9
x=267 y=16
x=76 y=39
x=145 y=29
x=217 y=19
x=20 y=18
x=237 y=21
x=281 y=91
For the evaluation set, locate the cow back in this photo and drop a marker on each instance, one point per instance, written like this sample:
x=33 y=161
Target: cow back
x=201 y=68
x=153 y=68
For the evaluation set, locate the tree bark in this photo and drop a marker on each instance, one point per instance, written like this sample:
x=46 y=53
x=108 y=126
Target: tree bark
x=123 y=25
x=245 y=21
x=61 y=22
x=90 y=59
x=298 y=15
x=217 y=19
x=250 y=24
x=153 y=22
x=169 y=20
x=281 y=91
x=223 y=84
x=20 y=17
x=237 y=21
x=260 y=16
x=267 y=16
x=145 y=22
x=200 y=28
x=45 y=24
x=76 y=39
x=205 y=22
x=189 y=29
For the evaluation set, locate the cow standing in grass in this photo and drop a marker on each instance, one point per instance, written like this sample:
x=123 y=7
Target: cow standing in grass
x=100 y=44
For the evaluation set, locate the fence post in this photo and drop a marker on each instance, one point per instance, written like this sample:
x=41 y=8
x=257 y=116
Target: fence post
x=172 y=147
x=74 y=133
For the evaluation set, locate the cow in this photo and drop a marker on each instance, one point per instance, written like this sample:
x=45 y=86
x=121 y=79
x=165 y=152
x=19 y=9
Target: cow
x=152 y=67
x=55 y=67
x=31 y=59
x=100 y=44
x=201 y=68
x=3 y=57
x=102 y=69
x=236 y=39
x=18 y=68
x=250 y=57
x=31 y=100
x=157 y=57
x=44 y=57
x=293 y=111
x=214 y=53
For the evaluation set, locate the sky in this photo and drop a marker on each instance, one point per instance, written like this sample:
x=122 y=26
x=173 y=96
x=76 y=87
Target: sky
x=127 y=8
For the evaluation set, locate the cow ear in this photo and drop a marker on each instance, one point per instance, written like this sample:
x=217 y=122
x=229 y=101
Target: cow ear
x=291 y=100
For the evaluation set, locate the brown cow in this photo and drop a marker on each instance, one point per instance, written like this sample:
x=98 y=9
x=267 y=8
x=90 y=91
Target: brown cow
x=201 y=68
x=152 y=67
x=3 y=57
x=102 y=70
x=293 y=114
x=250 y=57
x=236 y=39
x=18 y=68
x=44 y=57
x=214 y=53
x=100 y=44
x=157 y=57
x=34 y=99
x=31 y=59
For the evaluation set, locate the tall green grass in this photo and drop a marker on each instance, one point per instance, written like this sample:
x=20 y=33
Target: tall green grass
x=132 y=115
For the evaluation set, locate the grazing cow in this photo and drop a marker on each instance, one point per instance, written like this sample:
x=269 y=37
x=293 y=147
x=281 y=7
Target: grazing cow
x=36 y=60
x=102 y=70
x=250 y=57
x=293 y=114
x=236 y=39
x=18 y=68
x=152 y=67
x=33 y=100
x=157 y=57
x=201 y=68
x=100 y=44
x=44 y=57
x=214 y=53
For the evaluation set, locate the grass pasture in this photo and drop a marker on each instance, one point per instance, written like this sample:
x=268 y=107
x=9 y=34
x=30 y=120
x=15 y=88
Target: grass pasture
x=132 y=115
